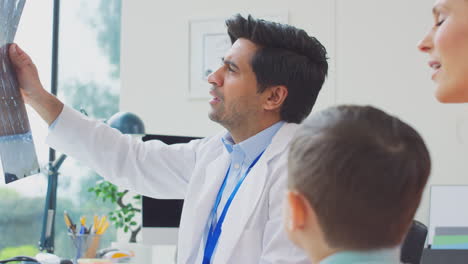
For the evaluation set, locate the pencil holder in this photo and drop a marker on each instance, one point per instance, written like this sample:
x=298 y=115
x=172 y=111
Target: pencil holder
x=86 y=245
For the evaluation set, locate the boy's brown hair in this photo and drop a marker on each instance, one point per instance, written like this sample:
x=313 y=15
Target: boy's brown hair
x=363 y=172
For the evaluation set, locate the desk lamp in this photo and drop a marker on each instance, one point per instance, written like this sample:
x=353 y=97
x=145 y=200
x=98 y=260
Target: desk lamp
x=125 y=122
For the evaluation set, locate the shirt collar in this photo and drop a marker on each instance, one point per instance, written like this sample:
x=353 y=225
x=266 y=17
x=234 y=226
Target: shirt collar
x=381 y=256
x=253 y=146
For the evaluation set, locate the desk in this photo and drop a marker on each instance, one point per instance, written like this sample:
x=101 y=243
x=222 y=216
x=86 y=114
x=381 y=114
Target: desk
x=149 y=254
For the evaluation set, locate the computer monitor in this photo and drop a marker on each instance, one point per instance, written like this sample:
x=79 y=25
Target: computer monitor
x=448 y=219
x=162 y=228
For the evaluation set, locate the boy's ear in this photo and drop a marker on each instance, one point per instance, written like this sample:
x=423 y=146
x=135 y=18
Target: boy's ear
x=275 y=97
x=297 y=210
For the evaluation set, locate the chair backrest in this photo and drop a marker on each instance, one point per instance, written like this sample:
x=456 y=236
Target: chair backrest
x=413 y=245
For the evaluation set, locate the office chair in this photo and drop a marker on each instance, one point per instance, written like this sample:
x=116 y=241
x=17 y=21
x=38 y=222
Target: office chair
x=413 y=245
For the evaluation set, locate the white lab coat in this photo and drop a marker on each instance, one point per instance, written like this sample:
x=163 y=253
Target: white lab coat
x=253 y=228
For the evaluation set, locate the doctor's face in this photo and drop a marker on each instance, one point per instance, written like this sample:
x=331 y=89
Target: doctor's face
x=234 y=87
x=447 y=45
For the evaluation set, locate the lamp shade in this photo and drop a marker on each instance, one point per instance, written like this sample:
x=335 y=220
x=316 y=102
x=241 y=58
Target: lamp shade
x=127 y=123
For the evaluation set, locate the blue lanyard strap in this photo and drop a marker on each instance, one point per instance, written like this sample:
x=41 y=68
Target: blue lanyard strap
x=215 y=228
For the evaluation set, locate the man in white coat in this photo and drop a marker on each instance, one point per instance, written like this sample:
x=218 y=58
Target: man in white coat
x=233 y=183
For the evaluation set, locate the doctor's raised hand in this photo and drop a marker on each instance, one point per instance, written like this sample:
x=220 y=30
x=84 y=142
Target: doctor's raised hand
x=34 y=94
x=232 y=182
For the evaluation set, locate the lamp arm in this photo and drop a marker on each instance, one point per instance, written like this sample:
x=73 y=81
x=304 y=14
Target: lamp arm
x=48 y=223
x=56 y=165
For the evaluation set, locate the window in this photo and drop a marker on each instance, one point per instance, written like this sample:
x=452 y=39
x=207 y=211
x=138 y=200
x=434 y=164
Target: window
x=22 y=202
x=89 y=79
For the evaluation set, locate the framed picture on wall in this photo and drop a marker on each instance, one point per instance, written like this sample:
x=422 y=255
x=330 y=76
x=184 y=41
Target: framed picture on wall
x=208 y=43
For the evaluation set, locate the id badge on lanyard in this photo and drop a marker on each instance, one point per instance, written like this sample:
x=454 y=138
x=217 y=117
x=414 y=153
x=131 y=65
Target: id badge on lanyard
x=215 y=227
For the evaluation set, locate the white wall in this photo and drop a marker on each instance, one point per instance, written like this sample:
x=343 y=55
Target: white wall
x=155 y=56
x=372 y=46
x=378 y=63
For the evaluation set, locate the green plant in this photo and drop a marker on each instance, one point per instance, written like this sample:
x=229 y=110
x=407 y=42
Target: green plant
x=122 y=217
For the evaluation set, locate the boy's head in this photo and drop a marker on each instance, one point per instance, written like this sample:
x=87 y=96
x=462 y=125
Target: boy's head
x=356 y=177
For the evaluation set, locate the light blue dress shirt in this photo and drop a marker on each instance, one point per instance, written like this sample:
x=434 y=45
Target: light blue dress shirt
x=242 y=156
x=382 y=256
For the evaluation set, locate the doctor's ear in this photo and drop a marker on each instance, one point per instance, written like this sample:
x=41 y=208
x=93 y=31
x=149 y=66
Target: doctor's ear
x=297 y=207
x=275 y=97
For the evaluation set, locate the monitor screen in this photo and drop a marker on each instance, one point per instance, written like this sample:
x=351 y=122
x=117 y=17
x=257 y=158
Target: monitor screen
x=152 y=209
x=172 y=208
x=448 y=219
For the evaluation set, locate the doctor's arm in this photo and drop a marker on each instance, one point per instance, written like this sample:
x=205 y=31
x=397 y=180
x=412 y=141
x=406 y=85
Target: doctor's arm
x=152 y=168
x=277 y=248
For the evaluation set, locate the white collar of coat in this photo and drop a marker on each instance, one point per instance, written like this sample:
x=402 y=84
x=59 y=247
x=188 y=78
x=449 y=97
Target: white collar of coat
x=244 y=204
x=251 y=192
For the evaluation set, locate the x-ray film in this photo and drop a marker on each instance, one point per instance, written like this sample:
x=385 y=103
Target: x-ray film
x=17 y=149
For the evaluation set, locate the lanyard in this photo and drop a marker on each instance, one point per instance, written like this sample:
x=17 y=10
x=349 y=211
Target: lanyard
x=215 y=229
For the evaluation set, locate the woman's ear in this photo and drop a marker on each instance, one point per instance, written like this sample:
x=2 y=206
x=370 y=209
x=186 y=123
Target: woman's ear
x=275 y=97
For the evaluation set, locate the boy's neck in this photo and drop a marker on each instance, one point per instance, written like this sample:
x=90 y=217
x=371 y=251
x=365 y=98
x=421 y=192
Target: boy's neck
x=318 y=251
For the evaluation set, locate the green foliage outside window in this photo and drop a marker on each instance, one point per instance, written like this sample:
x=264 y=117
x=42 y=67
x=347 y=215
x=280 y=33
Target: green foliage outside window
x=26 y=250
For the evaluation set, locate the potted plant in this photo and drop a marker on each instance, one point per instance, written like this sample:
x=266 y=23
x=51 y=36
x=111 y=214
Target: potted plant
x=123 y=217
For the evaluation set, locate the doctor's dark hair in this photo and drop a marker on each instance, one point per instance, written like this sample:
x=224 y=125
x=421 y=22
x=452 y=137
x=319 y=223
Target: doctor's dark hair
x=363 y=172
x=285 y=56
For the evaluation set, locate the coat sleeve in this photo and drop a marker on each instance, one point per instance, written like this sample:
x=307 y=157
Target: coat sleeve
x=277 y=248
x=150 y=168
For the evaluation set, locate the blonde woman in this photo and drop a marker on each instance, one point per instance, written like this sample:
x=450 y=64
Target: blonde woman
x=447 y=46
